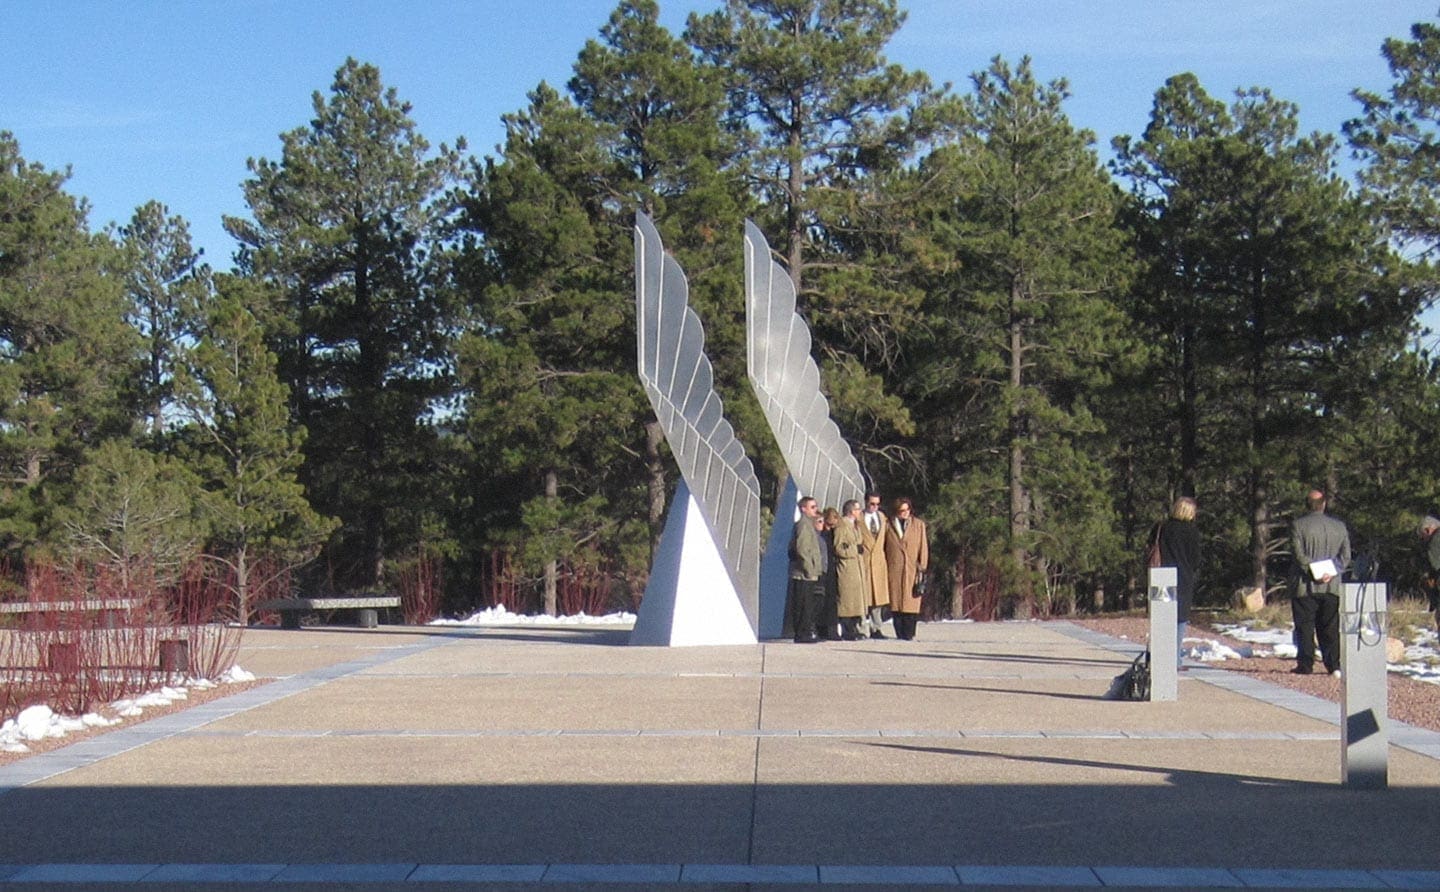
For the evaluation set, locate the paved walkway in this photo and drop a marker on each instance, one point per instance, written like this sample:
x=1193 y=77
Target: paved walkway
x=979 y=755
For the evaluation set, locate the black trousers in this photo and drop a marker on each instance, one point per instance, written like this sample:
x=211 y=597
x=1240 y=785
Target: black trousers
x=806 y=596
x=828 y=621
x=1317 y=615
x=905 y=624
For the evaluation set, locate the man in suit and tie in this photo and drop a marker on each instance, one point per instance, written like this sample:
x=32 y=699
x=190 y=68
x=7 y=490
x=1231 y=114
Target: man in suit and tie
x=872 y=562
x=1320 y=545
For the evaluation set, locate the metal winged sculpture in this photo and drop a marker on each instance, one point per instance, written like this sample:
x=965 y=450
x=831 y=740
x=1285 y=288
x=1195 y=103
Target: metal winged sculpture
x=679 y=382
x=787 y=381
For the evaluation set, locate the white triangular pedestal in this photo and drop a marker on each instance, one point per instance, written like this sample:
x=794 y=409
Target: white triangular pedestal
x=690 y=599
x=775 y=564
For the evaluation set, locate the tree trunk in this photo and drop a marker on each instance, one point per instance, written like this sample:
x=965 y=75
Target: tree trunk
x=242 y=586
x=795 y=214
x=1259 y=489
x=957 y=590
x=552 y=567
x=373 y=360
x=1189 y=412
x=1019 y=503
x=1259 y=528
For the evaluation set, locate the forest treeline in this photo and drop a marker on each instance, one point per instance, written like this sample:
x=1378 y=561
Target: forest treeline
x=423 y=354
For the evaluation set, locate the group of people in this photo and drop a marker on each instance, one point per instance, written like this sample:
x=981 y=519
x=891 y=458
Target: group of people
x=848 y=568
x=1320 y=548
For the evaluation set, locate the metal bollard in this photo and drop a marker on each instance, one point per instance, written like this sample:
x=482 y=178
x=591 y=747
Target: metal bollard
x=1364 y=733
x=1164 y=677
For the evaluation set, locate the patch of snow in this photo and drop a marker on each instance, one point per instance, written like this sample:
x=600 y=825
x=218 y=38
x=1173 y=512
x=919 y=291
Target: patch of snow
x=235 y=675
x=1207 y=651
x=1422 y=655
x=499 y=616
x=39 y=723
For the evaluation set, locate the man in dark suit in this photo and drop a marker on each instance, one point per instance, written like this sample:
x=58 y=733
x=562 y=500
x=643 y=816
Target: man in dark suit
x=1321 y=547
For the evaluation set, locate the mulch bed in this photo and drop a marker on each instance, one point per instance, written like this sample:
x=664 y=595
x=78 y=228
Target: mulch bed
x=194 y=697
x=1410 y=701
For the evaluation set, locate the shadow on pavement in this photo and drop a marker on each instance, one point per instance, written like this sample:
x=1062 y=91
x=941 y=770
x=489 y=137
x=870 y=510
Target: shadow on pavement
x=1193 y=818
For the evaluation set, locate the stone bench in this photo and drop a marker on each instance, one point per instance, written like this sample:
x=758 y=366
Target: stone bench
x=109 y=610
x=366 y=608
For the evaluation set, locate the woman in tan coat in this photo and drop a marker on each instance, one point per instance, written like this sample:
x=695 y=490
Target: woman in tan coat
x=907 y=557
x=850 y=576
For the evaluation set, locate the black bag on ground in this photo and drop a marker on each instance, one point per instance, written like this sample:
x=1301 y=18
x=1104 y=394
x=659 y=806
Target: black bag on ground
x=1133 y=683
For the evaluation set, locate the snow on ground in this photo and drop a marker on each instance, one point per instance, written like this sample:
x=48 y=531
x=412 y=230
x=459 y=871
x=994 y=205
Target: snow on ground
x=499 y=616
x=1422 y=654
x=40 y=722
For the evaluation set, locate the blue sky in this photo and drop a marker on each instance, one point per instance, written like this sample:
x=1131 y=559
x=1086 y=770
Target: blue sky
x=166 y=100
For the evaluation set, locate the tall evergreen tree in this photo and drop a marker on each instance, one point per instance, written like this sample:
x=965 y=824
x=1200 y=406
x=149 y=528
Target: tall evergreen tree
x=242 y=444
x=1023 y=334
x=553 y=279
x=1263 y=269
x=815 y=98
x=1397 y=137
x=658 y=115
x=346 y=226
x=65 y=350
x=166 y=284
x=553 y=407
x=826 y=121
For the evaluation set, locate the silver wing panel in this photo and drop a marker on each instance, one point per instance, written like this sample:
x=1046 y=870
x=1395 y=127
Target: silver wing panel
x=678 y=380
x=787 y=381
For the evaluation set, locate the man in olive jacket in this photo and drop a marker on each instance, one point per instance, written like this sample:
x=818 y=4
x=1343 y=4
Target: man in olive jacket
x=1315 y=597
x=807 y=565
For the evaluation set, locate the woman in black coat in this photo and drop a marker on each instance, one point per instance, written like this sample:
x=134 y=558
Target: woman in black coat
x=1180 y=548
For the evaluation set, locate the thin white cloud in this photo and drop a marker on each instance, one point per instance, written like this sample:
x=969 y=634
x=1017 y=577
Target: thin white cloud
x=80 y=116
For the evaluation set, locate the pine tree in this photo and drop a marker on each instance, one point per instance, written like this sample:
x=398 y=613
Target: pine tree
x=553 y=277
x=65 y=350
x=1262 y=269
x=166 y=284
x=815 y=98
x=658 y=115
x=554 y=409
x=241 y=442
x=347 y=226
x=1398 y=139
x=826 y=124
x=1022 y=334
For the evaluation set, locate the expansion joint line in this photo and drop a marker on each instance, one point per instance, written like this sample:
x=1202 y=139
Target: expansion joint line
x=755 y=768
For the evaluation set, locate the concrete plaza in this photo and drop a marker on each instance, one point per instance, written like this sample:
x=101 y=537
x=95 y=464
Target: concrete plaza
x=979 y=755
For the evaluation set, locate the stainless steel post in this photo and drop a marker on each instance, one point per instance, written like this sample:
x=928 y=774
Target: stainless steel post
x=1164 y=653
x=1364 y=733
